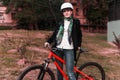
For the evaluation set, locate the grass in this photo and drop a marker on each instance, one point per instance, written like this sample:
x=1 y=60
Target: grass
x=96 y=44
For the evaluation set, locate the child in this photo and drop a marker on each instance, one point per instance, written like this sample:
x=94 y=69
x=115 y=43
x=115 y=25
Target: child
x=67 y=37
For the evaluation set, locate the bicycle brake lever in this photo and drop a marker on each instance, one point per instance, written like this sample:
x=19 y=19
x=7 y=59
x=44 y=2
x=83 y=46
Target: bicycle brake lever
x=83 y=50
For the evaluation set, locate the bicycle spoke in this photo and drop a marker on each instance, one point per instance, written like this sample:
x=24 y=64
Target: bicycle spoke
x=33 y=74
x=93 y=72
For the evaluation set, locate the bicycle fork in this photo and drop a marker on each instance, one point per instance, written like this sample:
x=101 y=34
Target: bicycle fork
x=43 y=70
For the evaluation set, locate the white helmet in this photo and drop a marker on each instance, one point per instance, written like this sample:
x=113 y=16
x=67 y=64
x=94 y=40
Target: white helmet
x=66 y=5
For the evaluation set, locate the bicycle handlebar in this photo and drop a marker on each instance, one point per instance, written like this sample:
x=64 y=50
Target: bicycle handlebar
x=81 y=50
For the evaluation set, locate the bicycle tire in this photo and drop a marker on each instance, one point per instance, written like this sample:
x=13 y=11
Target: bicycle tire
x=28 y=73
x=92 y=69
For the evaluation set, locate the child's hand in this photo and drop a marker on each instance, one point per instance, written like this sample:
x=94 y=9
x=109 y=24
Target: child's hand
x=46 y=44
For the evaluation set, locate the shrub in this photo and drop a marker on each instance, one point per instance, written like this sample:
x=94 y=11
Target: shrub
x=117 y=40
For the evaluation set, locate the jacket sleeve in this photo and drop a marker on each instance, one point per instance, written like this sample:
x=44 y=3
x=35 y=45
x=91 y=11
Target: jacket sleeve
x=79 y=33
x=53 y=36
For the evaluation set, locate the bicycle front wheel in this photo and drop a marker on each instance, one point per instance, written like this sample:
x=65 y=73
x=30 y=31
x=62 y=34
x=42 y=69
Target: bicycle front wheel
x=93 y=70
x=35 y=72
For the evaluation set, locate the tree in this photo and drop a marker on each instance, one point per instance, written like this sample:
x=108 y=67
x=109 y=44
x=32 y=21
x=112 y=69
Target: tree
x=96 y=12
x=32 y=13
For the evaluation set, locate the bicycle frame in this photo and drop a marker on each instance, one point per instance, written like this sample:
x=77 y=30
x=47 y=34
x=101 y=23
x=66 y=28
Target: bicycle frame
x=53 y=55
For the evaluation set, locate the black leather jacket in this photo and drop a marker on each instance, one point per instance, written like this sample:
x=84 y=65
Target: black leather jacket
x=76 y=34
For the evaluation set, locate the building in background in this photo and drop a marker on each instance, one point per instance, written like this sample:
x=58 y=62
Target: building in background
x=5 y=19
x=114 y=20
x=78 y=11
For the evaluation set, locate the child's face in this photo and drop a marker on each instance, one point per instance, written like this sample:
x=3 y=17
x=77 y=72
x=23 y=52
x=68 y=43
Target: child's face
x=67 y=13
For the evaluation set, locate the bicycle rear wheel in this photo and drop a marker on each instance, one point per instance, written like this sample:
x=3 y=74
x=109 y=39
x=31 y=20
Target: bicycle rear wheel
x=93 y=70
x=35 y=71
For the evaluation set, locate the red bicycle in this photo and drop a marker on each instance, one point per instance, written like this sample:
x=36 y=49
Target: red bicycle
x=87 y=71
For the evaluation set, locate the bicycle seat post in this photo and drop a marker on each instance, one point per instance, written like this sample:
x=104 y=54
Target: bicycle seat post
x=82 y=50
